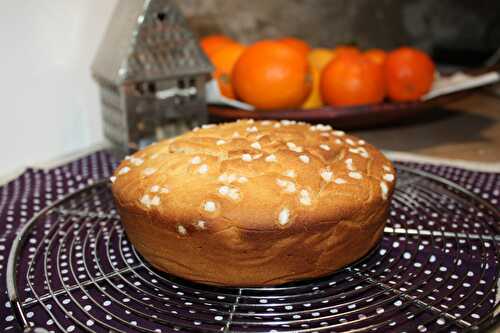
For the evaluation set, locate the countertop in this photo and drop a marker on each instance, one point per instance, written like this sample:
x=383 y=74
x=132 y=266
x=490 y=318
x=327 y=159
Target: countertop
x=464 y=133
x=466 y=129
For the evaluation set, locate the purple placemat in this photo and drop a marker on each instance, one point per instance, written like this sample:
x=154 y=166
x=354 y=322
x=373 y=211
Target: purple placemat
x=35 y=189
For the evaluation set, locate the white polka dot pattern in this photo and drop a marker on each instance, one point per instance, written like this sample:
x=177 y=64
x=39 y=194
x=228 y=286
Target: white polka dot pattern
x=460 y=280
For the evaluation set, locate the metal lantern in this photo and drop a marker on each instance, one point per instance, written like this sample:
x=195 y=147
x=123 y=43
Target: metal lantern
x=151 y=74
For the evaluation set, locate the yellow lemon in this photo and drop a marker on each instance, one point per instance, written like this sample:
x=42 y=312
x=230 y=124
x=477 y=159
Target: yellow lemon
x=319 y=58
x=314 y=101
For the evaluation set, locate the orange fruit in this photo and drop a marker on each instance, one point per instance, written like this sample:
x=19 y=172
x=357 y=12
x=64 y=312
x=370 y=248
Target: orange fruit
x=296 y=43
x=409 y=74
x=271 y=75
x=352 y=80
x=314 y=100
x=224 y=60
x=376 y=55
x=212 y=43
x=345 y=50
x=319 y=58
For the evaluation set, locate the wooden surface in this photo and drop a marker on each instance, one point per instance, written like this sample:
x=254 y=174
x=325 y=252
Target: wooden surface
x=344 y=118
x=466 y=129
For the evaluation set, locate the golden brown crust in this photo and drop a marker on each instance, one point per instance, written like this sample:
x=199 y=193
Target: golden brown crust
x=254 y=203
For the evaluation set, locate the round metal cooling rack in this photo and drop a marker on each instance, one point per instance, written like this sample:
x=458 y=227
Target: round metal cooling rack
x=72 y=268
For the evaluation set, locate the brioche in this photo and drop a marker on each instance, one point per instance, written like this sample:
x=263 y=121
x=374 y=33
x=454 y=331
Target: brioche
x=254 y=203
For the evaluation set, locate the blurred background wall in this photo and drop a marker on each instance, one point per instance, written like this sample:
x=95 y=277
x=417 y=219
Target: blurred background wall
x=50 y=103
x=369 y=23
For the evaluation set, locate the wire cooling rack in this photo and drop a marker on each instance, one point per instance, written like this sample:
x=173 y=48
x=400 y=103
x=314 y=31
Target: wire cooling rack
x=72 y=268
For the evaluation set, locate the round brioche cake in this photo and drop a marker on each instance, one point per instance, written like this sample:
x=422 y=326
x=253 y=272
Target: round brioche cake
x=254 y=203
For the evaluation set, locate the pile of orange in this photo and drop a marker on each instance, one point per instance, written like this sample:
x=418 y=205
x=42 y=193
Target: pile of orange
x=287 y=73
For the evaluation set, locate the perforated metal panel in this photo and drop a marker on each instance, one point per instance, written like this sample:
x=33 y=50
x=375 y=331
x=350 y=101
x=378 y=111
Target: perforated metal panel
x=152 y=73
x=436 y=269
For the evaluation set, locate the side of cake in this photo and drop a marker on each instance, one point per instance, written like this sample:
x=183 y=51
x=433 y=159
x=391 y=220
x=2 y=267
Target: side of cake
x=254 y=203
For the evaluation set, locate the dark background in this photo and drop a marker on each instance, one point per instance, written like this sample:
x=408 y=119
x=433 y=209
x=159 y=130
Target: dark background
x=457 y=31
